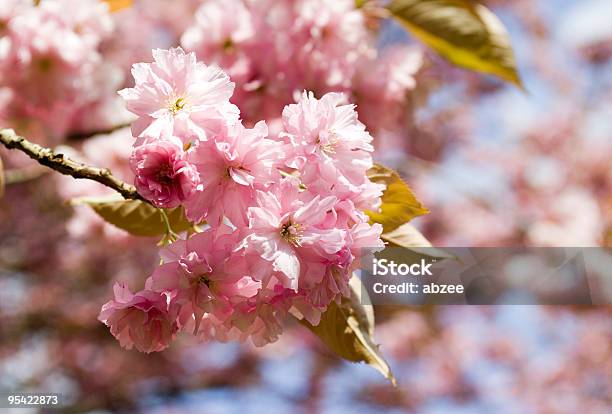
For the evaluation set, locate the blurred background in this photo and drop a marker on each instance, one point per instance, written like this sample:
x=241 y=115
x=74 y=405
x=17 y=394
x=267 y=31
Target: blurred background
x=495 y=165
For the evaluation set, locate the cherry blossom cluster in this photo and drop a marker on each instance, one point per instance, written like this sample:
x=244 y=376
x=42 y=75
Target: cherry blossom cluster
x=284 y=213
x=279 y=45
x=51 y=65
x=272 y=48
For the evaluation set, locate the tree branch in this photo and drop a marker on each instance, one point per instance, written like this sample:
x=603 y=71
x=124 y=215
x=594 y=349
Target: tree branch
x=66 y=166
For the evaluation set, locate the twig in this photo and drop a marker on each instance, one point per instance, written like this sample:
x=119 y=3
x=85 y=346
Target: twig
x=65 y=165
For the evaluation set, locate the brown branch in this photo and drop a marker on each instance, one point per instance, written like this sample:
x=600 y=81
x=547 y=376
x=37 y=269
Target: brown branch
x=66 y=166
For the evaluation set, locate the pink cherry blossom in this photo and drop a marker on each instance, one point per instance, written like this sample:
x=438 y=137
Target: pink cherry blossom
x=44 y=48
x=326 y=135
x=232 y=165
x=206 y=274
x=163 y=176
x=44 y=45
x=365 y=238
x=178 y=95
x=145 y=320
x=381 y=87
x=261 y=322
x=326 y=280
x=222 y=30
x=8 y=10
x=286 y=230
x=334 y=38
x=331 y=149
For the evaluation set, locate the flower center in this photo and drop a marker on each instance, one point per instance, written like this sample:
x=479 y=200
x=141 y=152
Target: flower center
x=328 y=146
x=228 y=45
x=165 y=175
x=204 y=280
x=227 y=172
x=292 y=233
x=177 y=105
x=44 y=64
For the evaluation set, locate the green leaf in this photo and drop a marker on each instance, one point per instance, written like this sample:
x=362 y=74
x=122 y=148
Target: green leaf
x=360 y=3
x=410 y=238
x=348 y=330
x=399 y=204
x=463 y=31
x=135 y=216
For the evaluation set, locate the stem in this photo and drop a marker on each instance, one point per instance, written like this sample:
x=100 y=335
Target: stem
x=170 y=236
x=66 y=166
x=167 y=222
